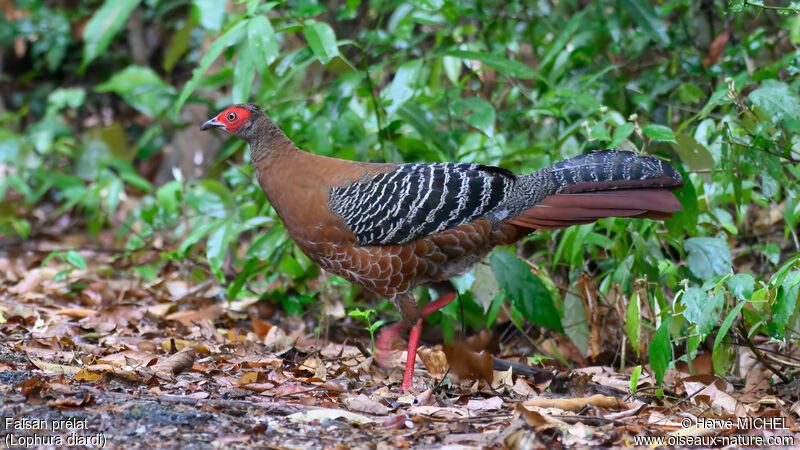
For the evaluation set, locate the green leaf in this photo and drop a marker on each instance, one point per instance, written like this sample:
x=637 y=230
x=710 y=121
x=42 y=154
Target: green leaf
x=230 y=37
x=168 y=196
x=785 y=303
x=452 y=68
x=403 y=84
x=600 y=131
x=141 y=88
x=701 y=309
x=217 y=247
x=243 y=74
x=723 y=330
x=148 y=273
x=527 y=292
x=794 y=31
x=658 y=133
x=633 y=323
x=708 y=256
x=178 y=45
x=741 y=286
x=103 y=25
x=322 y=40
x=621 y=132
x=693 y=153
x=647 y=18
x=196 y=234
x=506 y=66
x=262 y=41
x=477 y=112
x=75 y=259
x=637 y=372
x=212 y=13
x=780 y=102
x=660 y=353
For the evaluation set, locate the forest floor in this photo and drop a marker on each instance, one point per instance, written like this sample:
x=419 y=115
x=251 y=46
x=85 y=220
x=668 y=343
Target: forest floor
x=94 y=357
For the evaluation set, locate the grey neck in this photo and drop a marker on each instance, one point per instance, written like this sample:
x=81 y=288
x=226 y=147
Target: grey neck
x=267 y=141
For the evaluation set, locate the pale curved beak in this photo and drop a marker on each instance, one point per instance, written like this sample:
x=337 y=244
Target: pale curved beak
x=212 y=123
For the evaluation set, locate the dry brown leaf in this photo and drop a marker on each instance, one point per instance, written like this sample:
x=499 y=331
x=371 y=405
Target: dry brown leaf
x=79 y=313
x=176 y=363
x=260 y=327
x=484 y=404
x=502 y=378
x=363 y=403
x=575 y=404
x=55 y=368
x=191 y=316
x=434 y=360
x=439 y=412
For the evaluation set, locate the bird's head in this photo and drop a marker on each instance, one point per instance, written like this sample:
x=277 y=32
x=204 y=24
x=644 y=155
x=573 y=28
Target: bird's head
x=238 y=120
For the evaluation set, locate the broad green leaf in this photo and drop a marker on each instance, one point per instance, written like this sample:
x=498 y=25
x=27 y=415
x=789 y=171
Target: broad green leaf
x=403 y=85
x=506 y=66
x=141 y=88
x=484 y=287
x=557 y=50
x=660 y=353
x=701 y=309
x=212 y=14
x=621 y=132
x=600 y=132
x=646 y=17
x=693 y=153
x=75 y=259
x=723 y=330
x=633 y=323
x=526 y=291
x=197 y=233
x=217 y=247
x=477 y=112
x=777 y=278
x=102 y=27
x=178 y=45
x=243 y=74
x=658 y=132
x=322 y=40
x=637 y=372
x=741 y=286
x=794 y=31
x=230 y=37
x=780 y=102
x=785 y=303
x=148 y=273
x=708 y=256
x=452 y=68
x=265 y=245
x=168 y=195
x=64 y=97
x=262 y=41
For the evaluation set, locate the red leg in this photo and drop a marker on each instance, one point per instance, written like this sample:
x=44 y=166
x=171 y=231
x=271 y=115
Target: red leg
x=413 y=343
x=438 y=304
x=388 y=335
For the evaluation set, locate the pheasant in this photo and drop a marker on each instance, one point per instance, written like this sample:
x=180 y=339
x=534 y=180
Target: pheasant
x=392 y=227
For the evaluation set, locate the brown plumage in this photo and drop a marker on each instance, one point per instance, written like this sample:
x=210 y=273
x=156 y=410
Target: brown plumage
x=392 y=227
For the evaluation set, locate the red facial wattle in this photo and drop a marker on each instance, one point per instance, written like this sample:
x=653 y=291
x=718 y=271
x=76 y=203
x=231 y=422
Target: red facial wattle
x=233 y=118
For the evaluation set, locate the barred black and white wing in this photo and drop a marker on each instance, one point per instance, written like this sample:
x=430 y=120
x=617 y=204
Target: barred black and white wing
x=415 y=200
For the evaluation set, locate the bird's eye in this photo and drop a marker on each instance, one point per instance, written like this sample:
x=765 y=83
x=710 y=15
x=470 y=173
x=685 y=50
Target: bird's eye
x=231 y=116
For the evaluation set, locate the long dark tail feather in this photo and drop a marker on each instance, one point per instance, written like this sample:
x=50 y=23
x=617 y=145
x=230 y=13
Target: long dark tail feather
x=602 y=184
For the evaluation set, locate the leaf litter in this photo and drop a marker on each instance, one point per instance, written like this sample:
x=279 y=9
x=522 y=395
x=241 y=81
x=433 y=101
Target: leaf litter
x=170 y=363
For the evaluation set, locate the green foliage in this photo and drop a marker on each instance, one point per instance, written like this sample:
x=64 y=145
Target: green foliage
x=365 y=316
x=519 y=84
